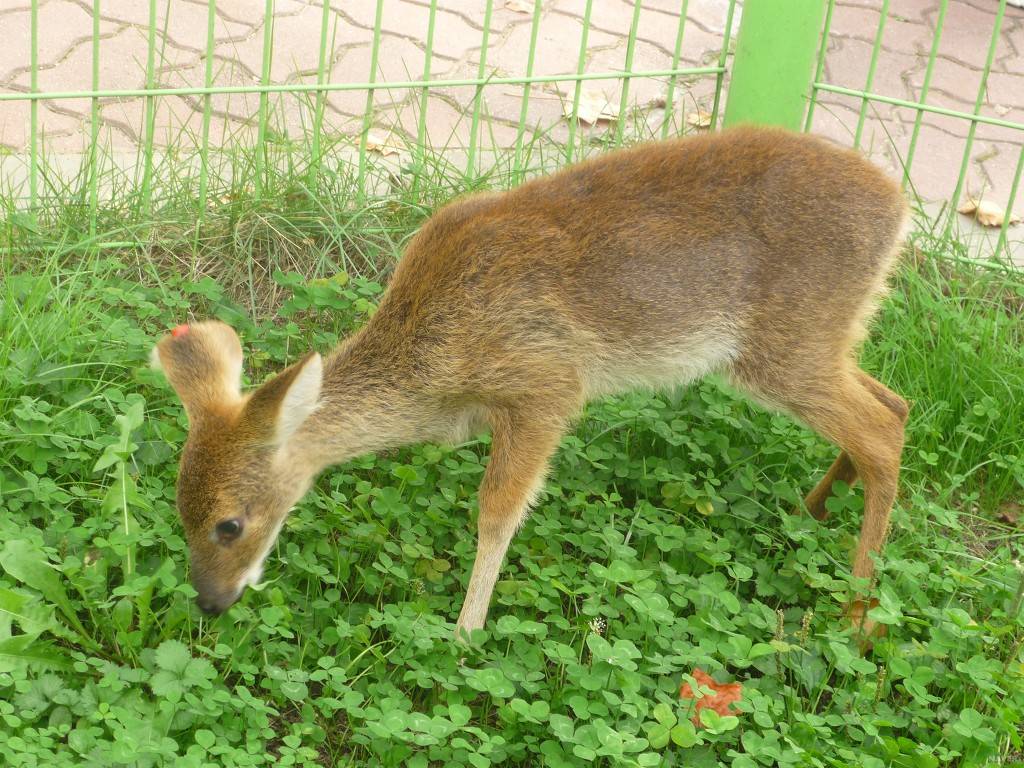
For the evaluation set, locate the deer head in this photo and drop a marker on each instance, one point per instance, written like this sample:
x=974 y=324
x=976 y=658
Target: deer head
x=240 y=473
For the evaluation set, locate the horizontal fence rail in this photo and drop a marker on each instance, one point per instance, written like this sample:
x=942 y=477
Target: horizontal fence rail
x=368 y=86
x=919 y=106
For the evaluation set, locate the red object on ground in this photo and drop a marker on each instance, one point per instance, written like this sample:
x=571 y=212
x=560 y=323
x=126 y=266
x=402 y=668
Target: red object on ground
x=179 y=330
x=723 y=695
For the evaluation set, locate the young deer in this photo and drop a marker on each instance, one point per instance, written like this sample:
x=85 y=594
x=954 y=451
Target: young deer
x=755 y=252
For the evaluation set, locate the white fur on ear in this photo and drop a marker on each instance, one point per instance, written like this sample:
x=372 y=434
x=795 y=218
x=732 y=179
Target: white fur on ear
x=154 y=359
x=301 y=399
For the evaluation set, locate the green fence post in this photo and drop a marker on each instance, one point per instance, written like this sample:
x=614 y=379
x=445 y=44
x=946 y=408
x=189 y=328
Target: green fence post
x=774 y=63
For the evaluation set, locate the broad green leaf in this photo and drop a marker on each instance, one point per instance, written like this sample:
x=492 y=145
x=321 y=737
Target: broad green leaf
x=663 y=714
x=205 y=738
x=971 y=718
x=32 y=616
x=167 y=684
x=562 y=727
x=173 y=656
x=294 y=690
x=684 y=734
x=760 y=649
x=459 y=714
x=27 y=650
x=28 y=564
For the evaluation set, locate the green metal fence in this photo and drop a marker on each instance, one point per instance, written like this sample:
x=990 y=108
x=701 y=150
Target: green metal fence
x=776 y=75
x=30 y=195
x=866 y=95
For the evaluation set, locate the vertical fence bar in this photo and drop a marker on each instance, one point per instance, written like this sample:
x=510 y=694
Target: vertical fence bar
x=581 y=65
x=820 y=68
x=517 y=174
x=368 y=112
x=421 y=126
x=150 y=114
x=722 y=57
x=677 y=52
x=321 y=96
x=925 y=85
x=774 y=63
x=33 y=147
x=978 y=102
x=261 y=131
x=1009 y=204
x=478 y=95
x=883 y=16
x=204 y=150
x=94 y=118
x=620 y=124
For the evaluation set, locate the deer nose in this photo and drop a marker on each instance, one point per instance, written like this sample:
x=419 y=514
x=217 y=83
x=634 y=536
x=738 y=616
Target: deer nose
x=211 y=595
x=210 y=606
x=216 y=603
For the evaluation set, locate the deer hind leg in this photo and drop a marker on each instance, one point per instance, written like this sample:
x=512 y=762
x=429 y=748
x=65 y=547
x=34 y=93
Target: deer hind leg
x=843 y=469
x=521 y=447
x=865 y=420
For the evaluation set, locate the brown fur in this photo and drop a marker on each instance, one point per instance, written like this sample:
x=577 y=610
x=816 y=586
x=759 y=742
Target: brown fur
x=755 y=252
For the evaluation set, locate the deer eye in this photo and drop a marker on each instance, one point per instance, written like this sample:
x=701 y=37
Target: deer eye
x=229 y=530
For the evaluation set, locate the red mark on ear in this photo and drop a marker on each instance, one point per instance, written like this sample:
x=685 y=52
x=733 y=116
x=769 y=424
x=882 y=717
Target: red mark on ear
x=179 y=330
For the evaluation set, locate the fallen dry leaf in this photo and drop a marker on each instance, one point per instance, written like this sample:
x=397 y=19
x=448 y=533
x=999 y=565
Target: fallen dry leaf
x=699 y=119
x=382 y=145
x=1010 y=513
x=519 y=6
x=987 y=213
x=594 y=107
x=721 y=698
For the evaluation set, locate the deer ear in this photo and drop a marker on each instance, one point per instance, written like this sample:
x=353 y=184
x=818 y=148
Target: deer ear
x=278 y=408
x=301 y=399
x=203 y=363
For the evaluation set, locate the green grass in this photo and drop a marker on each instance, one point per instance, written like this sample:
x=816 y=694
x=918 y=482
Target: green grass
x=662 y=544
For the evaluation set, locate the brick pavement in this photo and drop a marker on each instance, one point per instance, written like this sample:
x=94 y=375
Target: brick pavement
x=65 y=63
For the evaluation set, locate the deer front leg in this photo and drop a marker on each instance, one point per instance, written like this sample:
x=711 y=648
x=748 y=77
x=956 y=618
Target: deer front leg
x=520 y=449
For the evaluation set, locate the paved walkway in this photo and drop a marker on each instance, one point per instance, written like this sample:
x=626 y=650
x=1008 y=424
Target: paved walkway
x=65 y=64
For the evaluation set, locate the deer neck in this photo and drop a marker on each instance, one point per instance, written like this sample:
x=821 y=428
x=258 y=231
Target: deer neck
x=368 y=404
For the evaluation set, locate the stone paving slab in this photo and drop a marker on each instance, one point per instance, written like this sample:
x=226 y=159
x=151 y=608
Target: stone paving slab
x=65 y=56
